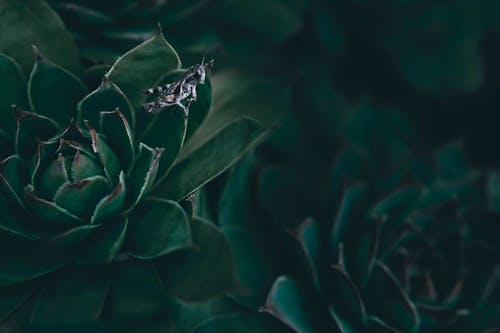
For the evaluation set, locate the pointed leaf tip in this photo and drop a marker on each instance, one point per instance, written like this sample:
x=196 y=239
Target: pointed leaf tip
x=38 y=54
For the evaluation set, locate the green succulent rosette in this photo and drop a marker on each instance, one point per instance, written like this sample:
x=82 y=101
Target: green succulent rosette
x=359 y=234
x=95 y=232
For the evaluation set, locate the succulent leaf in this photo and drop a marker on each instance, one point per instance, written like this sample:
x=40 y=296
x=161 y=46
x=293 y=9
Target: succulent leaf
x=105 y=243
x=12 y=93
x=143 y=173
x=210 y=159
x=83 y=287
x=107 y=97
x=157 y=227
x=33 y=22
x=119 y=135
x=143 y=67
x=204 y=272
x=293 y=306
x=53 y=91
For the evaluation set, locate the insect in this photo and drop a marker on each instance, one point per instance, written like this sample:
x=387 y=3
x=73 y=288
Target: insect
x=178 y=92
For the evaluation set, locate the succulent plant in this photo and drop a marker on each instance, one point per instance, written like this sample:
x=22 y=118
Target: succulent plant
x=95 y=232
x=358 y=234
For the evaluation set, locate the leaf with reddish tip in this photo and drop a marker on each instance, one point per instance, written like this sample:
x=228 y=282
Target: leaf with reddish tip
x=14 y=177
x=31 y=129
x=84 y=166
x=49 y=212
x=345 y=298
x=398 y=310
x=54 y=175
x=53 y=91
x=143 y=173
x=112 y=204
x=166 y=130
x=107 y=97
x=106 y=155
x=12 y=93
x=44 y=154
x=119 y=136
x=296 y=308
x=80 y=198
x=307 y=235
x=352 y=199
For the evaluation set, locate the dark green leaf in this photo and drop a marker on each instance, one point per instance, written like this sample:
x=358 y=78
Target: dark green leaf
x=307 y=235
x=107 y=97
x=27 y=259
x=80 y=198
x=201 y=273
x=143 y=67
x=76 y=295
x=276 y=22
x=143 y=173
x=112 y=204
x=106 y=155
x=105 y=243
x=210 y=159
x=348 y=210
x=14 y=177
x=227 y=133
x=33 y=22
x=241 y=323
x=49 y=212
x=6 y=145
x=54 y=175
x=12 y=297
x=54 y=92
x=257 y=259
x=398 y=310
x=167 y=130
x=31 y=129
x=119 y=136
x=135 y=292
x=291 y=304
x=345 y=298
x=13 y=91
x=157 y=227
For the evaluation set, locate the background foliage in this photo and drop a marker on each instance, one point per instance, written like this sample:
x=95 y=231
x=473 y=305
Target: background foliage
x=373 y=204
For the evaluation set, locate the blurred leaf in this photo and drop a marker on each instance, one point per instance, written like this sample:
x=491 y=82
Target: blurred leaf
x=75 y=296
x=241 y=323
x=33 y=22
x=291 y=304
x=201 y=273
x=12 y=91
